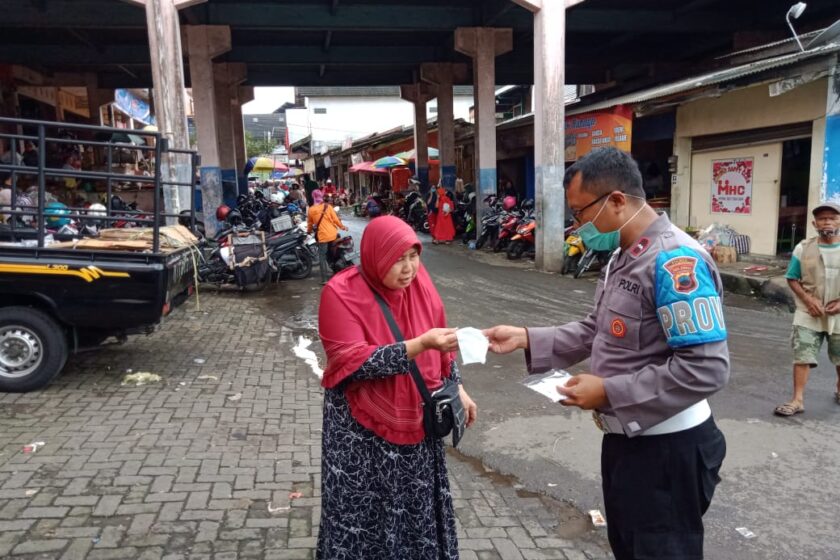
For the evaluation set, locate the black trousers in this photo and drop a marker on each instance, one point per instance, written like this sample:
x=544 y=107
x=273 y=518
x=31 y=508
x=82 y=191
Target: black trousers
x=656 y=490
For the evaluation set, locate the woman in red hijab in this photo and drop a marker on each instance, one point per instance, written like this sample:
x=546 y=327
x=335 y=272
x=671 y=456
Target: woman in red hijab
x=444 y=229
x=385 y=491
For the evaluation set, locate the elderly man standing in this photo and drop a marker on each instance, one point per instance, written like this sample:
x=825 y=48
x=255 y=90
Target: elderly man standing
x=814 y=278
x=657 y=347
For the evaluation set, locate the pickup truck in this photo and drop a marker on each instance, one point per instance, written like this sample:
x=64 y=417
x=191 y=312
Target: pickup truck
x=55 y=301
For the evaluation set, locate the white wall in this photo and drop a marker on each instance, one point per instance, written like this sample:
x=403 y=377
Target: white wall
x=762 y=224
x=356 y=117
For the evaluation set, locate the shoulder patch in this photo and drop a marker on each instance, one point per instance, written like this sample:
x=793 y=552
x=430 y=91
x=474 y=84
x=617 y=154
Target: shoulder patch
x=682 y=271
x=688 y=303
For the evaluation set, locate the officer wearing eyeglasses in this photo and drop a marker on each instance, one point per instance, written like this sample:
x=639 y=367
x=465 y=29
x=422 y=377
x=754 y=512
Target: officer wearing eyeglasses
x=656 y=340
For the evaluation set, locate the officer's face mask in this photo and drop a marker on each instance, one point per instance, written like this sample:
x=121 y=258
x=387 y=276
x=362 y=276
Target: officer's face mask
x=603 y=241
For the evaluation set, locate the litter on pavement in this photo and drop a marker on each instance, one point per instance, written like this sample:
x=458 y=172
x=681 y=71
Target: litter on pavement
x=140 y=378
x=597 y=518
x=746 y=533
x=33 y=447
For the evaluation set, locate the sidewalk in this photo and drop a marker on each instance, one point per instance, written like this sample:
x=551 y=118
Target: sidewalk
x=208 y=462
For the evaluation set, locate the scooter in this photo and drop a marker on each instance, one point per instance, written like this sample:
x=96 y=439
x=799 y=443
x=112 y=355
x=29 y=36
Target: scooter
x=523 y=240
x=340 y=253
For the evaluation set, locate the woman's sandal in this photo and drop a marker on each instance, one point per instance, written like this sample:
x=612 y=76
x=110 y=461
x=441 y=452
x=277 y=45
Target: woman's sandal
x=788 y=409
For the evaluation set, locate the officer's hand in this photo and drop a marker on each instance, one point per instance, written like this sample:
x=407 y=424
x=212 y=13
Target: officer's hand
x=585 y=391
x=815 y=308
x=505 y=339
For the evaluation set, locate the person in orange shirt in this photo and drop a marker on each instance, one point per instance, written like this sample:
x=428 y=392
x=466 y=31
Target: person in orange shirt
x=323 y=220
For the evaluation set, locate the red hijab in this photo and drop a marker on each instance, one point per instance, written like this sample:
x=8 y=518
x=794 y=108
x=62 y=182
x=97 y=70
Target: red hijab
x=352 y=326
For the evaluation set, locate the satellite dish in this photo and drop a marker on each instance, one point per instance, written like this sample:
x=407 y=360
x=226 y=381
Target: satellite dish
x=828 y=35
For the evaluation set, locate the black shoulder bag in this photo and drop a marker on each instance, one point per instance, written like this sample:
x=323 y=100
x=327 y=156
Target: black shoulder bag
x=443 y=411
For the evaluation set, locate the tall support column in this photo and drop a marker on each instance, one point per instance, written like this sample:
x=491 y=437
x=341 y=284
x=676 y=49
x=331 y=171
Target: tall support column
x=830 y=186
x=227 y=78
x=420 y=94
x=244 y=95
x=169 y=96
x=442 y=76
x=484 y=44
x=549 y=134
x=96 y=98
x=205 y=43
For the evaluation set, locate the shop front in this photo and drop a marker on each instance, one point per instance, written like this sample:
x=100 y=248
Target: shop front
x=752 y=162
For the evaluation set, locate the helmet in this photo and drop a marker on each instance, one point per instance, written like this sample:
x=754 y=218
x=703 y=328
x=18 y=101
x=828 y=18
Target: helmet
x=97 y=209
x=222 y=212
x=56 y=214
x=509 y=202
x=117 y=203
x=241 y=199
x=528 y=204
x=234 y=217
x=491 y=199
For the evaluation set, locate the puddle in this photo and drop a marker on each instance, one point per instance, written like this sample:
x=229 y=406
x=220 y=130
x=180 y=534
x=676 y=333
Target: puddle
x=571 y=523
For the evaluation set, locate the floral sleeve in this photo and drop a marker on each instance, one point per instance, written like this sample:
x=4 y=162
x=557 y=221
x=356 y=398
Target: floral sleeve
x=385 y=361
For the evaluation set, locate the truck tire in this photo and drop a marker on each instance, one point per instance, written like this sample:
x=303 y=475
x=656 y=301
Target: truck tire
x=33 y=349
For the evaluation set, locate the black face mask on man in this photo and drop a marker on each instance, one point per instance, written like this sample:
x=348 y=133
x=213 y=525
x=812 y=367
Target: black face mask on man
x=828 y=232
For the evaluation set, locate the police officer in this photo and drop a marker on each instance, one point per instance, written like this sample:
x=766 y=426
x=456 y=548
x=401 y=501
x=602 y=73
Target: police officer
x=656 y=340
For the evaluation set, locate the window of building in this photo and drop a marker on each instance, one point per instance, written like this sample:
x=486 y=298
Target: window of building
x=433 y=110
x=320 y=110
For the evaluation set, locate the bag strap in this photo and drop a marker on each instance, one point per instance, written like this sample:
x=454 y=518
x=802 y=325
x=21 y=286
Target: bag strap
x=323 y=213
x=395 y=330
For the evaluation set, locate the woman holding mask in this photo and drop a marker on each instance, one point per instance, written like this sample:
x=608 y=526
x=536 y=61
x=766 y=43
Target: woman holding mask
x=385 y=491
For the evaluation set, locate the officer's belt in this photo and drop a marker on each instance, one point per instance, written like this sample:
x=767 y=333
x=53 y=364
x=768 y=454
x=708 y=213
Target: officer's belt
x=692 y=416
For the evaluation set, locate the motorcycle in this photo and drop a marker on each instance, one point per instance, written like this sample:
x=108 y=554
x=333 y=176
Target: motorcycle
x=524 y=239
x=340 y=253
x=415 y=212
x=578 y=258
x=235 y=257
x=509 y=222
x=290 y=255
x=490 y=222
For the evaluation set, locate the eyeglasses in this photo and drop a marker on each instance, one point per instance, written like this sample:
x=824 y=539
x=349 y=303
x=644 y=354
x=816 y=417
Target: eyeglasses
x=576 y=213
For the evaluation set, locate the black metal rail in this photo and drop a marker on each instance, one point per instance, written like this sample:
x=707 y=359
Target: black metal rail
x=46 y=136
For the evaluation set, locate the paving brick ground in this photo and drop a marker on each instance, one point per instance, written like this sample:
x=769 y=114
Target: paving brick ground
x=202 y=464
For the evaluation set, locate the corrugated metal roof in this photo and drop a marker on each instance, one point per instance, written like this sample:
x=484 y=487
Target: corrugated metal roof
x=711 y=78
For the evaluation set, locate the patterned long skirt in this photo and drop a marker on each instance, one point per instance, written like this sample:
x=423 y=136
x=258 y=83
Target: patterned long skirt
x=381 y=501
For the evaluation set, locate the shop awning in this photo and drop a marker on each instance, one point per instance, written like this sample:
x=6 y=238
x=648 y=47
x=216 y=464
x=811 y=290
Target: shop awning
x=708 y=79
x=367 y=167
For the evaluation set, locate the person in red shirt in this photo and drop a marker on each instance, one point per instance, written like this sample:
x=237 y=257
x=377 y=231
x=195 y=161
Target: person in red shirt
x=329 y=188
x=444 y=228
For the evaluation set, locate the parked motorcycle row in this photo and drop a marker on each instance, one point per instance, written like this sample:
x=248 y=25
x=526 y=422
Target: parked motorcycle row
x=508 y=227
x=262 y=241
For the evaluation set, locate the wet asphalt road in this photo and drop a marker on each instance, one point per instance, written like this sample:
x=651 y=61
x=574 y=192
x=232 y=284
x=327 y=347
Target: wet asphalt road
x=780 y=479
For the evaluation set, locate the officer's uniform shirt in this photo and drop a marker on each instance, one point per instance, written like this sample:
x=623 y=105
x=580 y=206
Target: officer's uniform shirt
x=656 y=335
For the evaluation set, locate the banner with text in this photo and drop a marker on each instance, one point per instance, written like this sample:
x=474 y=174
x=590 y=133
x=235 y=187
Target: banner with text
x=732 y=186
x=588 y=131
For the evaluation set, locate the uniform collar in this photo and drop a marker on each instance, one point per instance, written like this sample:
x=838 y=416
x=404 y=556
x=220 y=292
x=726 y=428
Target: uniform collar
x=654 y=230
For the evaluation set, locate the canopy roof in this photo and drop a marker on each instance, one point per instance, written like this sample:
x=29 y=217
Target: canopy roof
x=632 y=43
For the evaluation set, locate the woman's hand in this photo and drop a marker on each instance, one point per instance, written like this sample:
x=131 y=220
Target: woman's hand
x=505 y=339
x=470 y=408
x=444 y=340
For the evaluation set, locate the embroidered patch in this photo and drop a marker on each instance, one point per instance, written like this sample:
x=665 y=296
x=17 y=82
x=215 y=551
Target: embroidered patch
x=682 y=274
x=618 y=328
x=640 y=247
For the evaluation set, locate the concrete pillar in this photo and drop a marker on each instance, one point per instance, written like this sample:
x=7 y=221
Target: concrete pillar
x=170 y=98
x=484 y=44
x=244 y=95
x=549 y=134
x=681 y=184
x=96 y=98
x=442 y=76
x=830 y=186
x=227 y=78
x=420 y=94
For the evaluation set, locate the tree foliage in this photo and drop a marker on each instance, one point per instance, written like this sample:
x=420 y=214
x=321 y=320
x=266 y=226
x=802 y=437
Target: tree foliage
x=258 y=146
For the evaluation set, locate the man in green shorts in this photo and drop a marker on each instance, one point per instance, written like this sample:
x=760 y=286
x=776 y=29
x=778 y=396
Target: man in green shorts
x=814 y=277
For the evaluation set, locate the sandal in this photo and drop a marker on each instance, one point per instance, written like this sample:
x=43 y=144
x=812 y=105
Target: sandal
x=788 y=409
